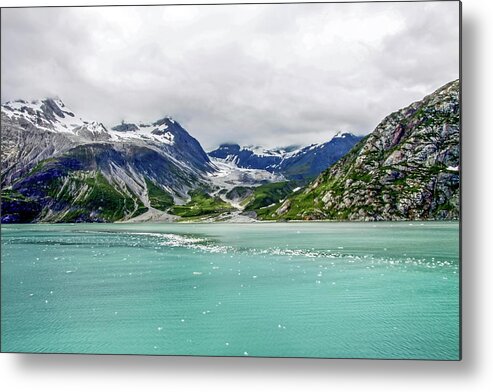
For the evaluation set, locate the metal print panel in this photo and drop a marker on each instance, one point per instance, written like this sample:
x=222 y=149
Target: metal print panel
x=271 y=180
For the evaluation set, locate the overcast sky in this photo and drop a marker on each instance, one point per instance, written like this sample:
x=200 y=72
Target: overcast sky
x=268 y=75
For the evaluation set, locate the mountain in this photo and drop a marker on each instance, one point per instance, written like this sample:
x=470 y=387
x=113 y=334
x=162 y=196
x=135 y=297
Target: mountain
x=249 y=157
x=169 y=136
x=406 y=169
x=58 y=167
x=310 y=161
x=292 y=163
x=33 y=131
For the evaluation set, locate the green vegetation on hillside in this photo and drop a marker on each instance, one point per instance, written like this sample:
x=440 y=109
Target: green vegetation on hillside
x=265 y=198
x=201 y=203
x=89 y=194
x=11 y=195
x=267 y=194
x=158 y=198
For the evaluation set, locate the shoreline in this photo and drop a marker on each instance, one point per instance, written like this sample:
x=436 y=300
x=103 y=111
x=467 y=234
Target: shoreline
x=410 y=222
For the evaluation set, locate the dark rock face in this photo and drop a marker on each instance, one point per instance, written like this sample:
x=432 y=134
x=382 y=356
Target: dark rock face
x=407 y=168
x=189 y=149
x=19 y=211
x=49 y=108
x=123 y=127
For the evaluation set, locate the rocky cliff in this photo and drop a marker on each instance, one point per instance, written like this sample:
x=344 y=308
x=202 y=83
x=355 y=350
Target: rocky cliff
x=406 y=169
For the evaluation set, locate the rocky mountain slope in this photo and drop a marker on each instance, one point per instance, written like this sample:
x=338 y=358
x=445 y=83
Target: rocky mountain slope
x=407 y=168
x=57 y=167
x=292 y=163
x=33 y=131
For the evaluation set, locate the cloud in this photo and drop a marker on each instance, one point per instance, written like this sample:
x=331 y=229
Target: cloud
x=257 y=74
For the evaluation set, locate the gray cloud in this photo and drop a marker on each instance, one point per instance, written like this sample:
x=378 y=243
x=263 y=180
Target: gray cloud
x=267 y=74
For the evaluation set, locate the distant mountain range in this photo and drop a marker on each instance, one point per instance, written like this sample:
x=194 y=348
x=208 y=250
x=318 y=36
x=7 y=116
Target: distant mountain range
x=56 y=167
x=292 y=163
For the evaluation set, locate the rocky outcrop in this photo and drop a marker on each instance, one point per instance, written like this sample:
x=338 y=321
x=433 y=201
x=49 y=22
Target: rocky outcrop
x=23 y=146
x=406 y=169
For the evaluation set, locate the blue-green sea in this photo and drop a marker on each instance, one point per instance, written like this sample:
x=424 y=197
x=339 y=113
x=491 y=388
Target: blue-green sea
x=338 y=290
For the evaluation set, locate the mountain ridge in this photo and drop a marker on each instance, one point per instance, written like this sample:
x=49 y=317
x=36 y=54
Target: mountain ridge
x=57 y=167
x=45 y=146
x=294 y=163
x=406 y=169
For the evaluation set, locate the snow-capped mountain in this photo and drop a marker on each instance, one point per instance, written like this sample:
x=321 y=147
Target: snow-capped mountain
x=291 y=162
x=169 y=136
x=229 y=175
x=36 y=130
x=58 y=167
x=248 y=157
x=49 y=114
x=60 y=162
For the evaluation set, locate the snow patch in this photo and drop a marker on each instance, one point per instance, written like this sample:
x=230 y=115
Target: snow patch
x=145 y=132
x=228 y=175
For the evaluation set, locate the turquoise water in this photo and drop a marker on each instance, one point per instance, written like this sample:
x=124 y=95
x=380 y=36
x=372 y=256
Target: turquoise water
x=340 y=290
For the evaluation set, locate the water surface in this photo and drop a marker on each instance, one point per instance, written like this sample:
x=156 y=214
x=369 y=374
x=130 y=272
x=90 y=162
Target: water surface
x=340 y=290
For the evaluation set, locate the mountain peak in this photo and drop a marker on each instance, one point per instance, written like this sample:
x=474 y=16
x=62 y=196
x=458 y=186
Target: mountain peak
x=48 y=113
x=54 y=101
x=343 y=134
x=164 y=120
x=54 y=106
